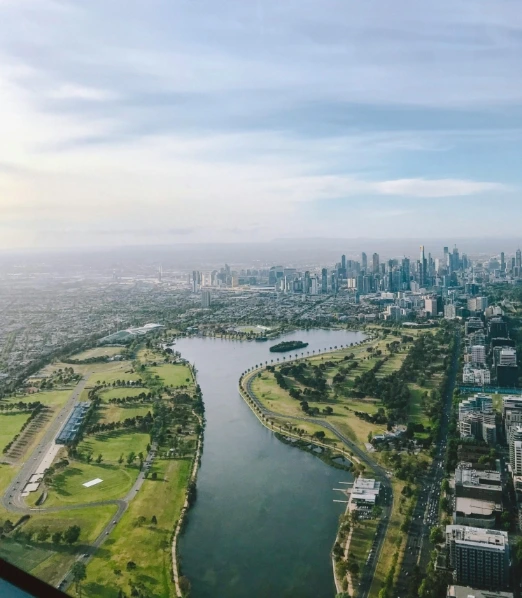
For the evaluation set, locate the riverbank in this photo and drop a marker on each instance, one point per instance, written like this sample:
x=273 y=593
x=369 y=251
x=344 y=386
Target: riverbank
x=183 y=585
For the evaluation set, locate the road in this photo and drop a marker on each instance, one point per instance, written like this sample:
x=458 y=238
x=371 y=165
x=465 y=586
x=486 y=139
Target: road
x=13 y=501
x=369 y=570
x=426 y=512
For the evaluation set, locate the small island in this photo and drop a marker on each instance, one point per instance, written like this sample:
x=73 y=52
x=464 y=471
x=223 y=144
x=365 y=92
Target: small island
x=288 y=346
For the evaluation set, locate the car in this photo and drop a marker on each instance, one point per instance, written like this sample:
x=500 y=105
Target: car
x=115 y=521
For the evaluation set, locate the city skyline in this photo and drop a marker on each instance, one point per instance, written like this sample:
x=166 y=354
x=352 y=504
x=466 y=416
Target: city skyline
x=246 y=122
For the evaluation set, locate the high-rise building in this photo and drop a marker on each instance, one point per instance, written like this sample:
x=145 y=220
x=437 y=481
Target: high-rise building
x=502 y=262
x=205 y=299
x=518 y=263
x=196 y=278
x=364 y=262
x=479 y=557
x=324 y=281
x=478 y=354
x=375 y=263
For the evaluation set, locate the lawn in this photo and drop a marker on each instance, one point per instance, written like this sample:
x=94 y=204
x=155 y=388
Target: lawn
x=122 y=372
x=49 y=562
x=361 y=542
x=113 y=413
x=67 y=488
x=147 y=545
x=114 y=444
x=10 y=425
x=49 y=398
x=98 y=352
x=172 y=374
x=417 y=414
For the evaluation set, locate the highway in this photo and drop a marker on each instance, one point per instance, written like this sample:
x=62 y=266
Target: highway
x=426 y=512
x=369 y=570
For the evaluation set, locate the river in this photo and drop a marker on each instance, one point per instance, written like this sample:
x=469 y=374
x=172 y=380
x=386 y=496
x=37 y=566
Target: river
x=264 y=521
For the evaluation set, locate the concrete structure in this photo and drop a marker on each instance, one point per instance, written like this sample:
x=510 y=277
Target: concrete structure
x=481 y=485
x=71 y=429
x=480 y=558
x=477 y=419
x=478 y=354
x=475 y=512
x=463 y=592
x=205 y=299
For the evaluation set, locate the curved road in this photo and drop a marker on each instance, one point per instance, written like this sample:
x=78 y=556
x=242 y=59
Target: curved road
x=369 y=569
x=13 y=501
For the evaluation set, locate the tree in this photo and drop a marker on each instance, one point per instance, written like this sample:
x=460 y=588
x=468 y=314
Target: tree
x=154 y=475
x=120 y=460
x=72 y=534
x=130 y=458
x=153 y=520
x=131 y=565
x=99 y=458
x=141 y=520
x=78 y=574
x=436 y=535
x=319 y=435
x=57 y=537
x=43 y=534
x=88 y=458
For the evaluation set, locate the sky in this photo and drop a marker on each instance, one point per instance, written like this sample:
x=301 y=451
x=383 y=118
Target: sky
x=185 y=121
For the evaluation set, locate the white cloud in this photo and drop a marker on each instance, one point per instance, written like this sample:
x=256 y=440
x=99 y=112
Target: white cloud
x=79 y=92
x=436 y=187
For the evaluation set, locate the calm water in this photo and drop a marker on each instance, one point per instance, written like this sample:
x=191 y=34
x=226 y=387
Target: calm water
x=264 y=521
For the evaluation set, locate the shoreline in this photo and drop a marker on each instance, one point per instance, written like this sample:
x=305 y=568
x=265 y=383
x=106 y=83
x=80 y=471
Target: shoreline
x=186 y=506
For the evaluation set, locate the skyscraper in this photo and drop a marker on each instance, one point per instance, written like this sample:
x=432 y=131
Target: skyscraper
x=324 y=281
x=422 y=267
x=375 y=261
x=518 y=263
x=502 y=262
x=364 y=262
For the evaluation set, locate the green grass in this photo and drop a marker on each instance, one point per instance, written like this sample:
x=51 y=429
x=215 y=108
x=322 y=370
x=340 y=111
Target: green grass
x=361 y=542
x=123 y=372
x=147 y=545
x=10 y=425
x=98 y=352
x=49 y=398
x=172 y=374
x=113 y=444
x=49 y=562
x=114 y=413
x=67 y=488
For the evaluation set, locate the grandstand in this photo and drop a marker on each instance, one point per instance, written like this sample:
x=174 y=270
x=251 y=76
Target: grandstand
x=71 y=429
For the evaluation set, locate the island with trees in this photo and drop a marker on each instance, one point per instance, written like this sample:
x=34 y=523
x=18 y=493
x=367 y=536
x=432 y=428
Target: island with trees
x=288 y=346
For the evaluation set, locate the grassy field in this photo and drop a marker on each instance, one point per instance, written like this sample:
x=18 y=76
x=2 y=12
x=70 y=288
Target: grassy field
x=49 y=562
x=114 y=444
x=10 y=424
x=172 y=374
x=114 y=413
x=122 y=372
x=67 y=488
x=147 y=545
x=49 y=398
x=98 y=352
x=361 y=542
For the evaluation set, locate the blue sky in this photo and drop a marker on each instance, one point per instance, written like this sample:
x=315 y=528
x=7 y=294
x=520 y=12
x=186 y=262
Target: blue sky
x=195 y=120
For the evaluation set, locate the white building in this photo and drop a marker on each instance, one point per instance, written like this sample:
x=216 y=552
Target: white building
x=478 y=354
